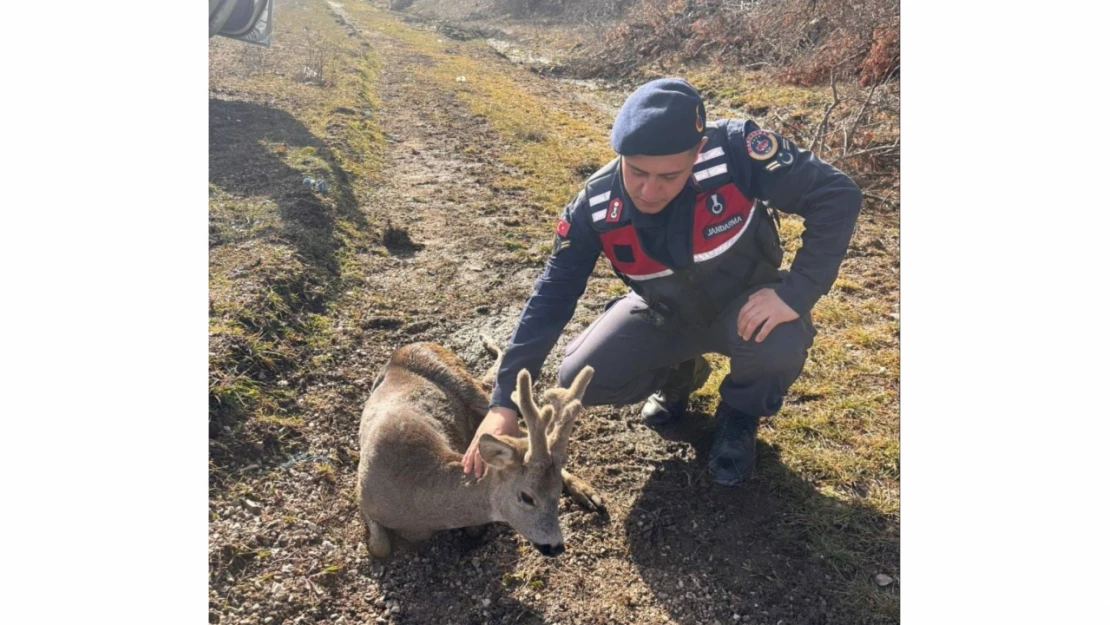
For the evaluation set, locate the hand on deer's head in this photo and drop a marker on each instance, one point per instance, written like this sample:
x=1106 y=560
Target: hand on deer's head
x=526 y=478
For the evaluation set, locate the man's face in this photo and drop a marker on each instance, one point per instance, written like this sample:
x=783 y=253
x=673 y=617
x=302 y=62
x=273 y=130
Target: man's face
x=653 y=181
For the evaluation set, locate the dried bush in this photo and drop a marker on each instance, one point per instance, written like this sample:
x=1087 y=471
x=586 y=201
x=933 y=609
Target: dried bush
x=589 y=11
x=255 y=60
x=807 y=41
x=316 y=62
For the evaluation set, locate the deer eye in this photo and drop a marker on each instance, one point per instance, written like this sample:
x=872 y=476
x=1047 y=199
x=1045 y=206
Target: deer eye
x=527 y=500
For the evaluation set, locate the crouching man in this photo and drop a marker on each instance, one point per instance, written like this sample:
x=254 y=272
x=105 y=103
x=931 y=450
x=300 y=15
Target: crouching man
x=683 y=216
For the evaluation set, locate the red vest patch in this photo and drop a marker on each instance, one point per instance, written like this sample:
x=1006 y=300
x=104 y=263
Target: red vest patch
x=622 y=248
x=720 y=217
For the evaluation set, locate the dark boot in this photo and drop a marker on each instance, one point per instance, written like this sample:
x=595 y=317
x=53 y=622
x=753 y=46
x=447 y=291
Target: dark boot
x=669 y=402
x=732 y=458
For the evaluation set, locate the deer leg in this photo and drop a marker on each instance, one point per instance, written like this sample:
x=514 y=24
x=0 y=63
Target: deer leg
x=378 y=543
x=582 y=493
x=490 y=377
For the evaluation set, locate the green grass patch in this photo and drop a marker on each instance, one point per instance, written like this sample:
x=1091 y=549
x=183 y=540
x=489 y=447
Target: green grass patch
x=838 y=430
x=544 y=145
x=282 y=256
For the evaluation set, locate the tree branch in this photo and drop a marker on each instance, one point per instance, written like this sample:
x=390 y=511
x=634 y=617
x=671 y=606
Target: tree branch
x=879 y=148
x=819 y=136
x=859 y=116
x=884 y=200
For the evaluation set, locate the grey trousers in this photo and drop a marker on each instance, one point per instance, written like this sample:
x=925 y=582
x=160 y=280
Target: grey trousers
x=631 y=356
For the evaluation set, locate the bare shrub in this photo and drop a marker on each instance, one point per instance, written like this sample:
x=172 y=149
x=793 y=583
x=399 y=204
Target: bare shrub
x=255 y=60
x=859 y=134
x=807 y=41
x=594 y=12
x=316 y=65
x=858 y=38
x=589 y=11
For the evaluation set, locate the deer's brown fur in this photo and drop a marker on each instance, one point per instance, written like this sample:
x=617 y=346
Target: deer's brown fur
x=420 y=418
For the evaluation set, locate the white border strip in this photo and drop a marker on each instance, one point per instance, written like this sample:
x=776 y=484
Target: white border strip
x=722 y=248
x=712 y=171
x=599 y=198
x=710 y=155
x=649 y=276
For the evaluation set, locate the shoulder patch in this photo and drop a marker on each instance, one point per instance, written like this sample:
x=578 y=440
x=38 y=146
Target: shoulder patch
x=614 y=214
x=559 y=245
x=562 y=228
x=785 y=159
x=761 y=145
x=598 y=190
x=562 y=236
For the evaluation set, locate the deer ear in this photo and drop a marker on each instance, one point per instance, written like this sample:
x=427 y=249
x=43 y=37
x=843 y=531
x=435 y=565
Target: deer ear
x=496 y=452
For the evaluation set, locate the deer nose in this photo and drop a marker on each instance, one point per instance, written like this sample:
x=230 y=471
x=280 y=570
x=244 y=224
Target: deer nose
x=549 y=550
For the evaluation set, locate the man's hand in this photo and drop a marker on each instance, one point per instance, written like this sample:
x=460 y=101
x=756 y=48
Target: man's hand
x=764 y=306
x=499 y=420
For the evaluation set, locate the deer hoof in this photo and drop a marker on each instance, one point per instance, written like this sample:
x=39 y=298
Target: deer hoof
x=583 y=494
x=378 y=543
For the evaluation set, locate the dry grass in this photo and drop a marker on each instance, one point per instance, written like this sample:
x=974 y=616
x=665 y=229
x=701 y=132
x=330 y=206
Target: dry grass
x=279 y=291
x=839 y=428
x=840 y=424
x=543 y=145
x=803 y=42
x=279 y=254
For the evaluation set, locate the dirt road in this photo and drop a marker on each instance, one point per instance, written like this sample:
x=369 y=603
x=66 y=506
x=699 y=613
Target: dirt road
x=446 y=165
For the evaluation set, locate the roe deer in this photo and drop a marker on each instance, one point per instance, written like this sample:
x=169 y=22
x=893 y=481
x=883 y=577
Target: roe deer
x=421 y=416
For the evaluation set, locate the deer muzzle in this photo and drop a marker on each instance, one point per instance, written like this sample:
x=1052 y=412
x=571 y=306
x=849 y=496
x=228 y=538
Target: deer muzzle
x=550 y=551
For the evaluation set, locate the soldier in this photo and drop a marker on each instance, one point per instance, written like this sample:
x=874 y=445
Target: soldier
x=683 y=214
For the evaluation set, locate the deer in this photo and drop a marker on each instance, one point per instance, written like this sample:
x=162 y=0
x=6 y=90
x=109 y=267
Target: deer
x=421 y=416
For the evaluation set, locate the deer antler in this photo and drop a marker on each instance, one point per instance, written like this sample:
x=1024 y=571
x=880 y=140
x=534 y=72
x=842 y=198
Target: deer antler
x=557 y=398
x=581 y=381
x=533 y=418
x=561 y=397
x=567 y=405
x=559 y=434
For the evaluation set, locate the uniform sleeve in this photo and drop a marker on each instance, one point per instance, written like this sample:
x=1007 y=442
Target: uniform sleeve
x=553 y=300
x=795 y=181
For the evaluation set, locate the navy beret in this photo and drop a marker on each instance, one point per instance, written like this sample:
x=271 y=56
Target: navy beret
x=665 y=116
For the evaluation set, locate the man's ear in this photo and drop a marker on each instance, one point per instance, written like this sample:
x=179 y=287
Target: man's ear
x=496 y=452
